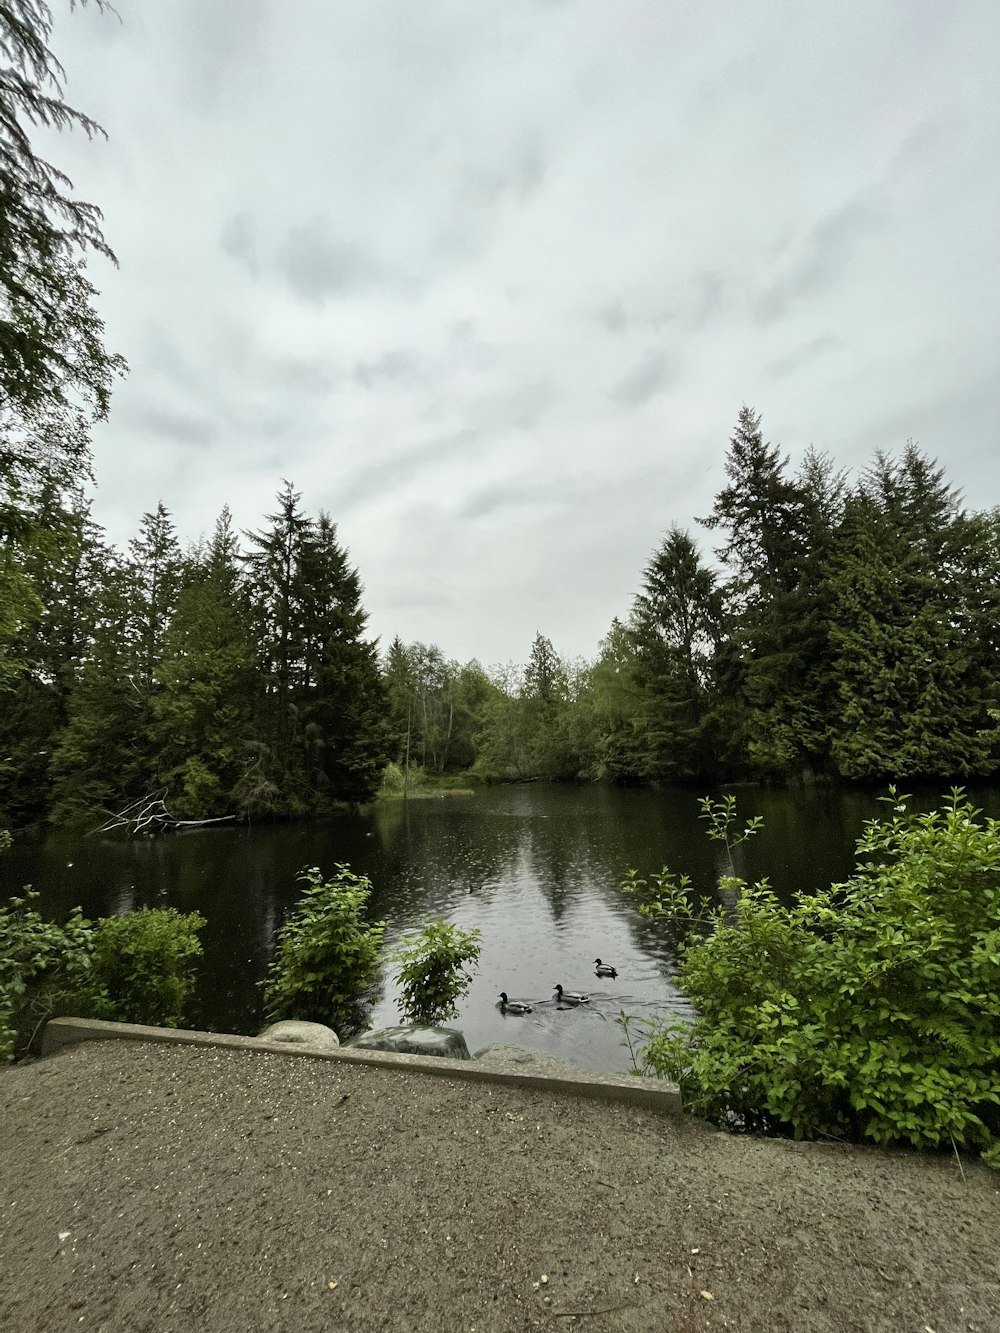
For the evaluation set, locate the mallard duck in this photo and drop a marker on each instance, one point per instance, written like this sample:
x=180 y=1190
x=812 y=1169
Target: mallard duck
x=603 y=969
x=513 y=1006
x=570 y=996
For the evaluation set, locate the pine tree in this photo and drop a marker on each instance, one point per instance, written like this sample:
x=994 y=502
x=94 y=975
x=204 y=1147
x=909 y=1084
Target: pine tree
x=155 y=570
x=675 y=626
x=201 y=711
x=913 y=696
x=342 y=701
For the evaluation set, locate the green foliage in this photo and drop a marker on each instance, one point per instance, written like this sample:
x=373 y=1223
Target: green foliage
x=327 y=956
x=137 y=968
x=144 y=965
x=45 y=969
x=431 y=971
x=869 y=1010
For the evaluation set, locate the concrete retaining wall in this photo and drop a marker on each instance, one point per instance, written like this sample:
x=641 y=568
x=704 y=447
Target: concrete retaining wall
x=657 y=1094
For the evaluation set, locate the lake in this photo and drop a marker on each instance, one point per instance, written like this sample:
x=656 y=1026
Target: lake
x=536 y=868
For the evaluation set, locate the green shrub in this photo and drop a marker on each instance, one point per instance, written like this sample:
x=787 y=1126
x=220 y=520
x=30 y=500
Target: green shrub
x=45 y=969
x=144 y=965
x=869 y=1010
x=431 y=971
x=328 y=956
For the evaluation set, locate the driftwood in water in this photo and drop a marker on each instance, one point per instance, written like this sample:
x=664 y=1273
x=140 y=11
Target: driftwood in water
x=149 y=815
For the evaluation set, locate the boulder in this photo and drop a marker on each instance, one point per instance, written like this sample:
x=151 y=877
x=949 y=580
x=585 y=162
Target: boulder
x=414 y=1040
x=296 y=1033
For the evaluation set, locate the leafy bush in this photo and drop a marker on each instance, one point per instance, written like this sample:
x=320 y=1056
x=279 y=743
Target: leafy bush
x=327 y=957
x=45 y=969
x=135 y=969
x=431 y=971
x=144 y=965
x=869 y=1010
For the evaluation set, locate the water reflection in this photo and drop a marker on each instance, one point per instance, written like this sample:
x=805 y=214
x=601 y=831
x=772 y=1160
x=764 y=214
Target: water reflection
x=537 y=869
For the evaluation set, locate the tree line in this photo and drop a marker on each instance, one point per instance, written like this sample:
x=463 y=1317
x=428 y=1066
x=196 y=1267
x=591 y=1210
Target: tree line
x=845 y=630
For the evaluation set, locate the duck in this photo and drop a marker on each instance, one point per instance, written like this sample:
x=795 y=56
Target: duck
x=571 y=996
x=513 y=1006
x=603 y=969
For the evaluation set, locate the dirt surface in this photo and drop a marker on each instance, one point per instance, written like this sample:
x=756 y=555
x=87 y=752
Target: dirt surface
x=150 y=1187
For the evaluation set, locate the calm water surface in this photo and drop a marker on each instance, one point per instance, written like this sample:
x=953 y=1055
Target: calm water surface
x=536 y=868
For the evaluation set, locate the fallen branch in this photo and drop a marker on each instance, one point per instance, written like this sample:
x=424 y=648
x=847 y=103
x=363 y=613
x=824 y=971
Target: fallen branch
x=149 y=815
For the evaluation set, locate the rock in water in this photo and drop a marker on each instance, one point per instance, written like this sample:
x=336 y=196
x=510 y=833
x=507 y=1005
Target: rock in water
x=296 y=1033
x=414 y=1040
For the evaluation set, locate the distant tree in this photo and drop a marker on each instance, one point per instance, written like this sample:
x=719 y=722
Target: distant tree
x=341 y=702
x=155 y=568
x=761 y=514
x=274 y=565
x=609 y=707
x=675 y=626
x=202 y=708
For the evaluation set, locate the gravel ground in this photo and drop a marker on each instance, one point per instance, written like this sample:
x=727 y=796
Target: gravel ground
x=151 y=1187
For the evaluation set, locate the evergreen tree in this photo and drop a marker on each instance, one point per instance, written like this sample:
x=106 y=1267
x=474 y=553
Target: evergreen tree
x=51 y=353
x=610 y=704
x=544 y=707
x=787 y=678
x=100 y=761
x=155 y=570
x=911 y=688
x=675 y=626
x=274 y=565
x=342 y=700
x=63 y=564
x=202 y=708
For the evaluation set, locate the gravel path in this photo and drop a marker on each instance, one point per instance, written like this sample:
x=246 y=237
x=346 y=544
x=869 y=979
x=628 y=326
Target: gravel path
x=153 y=1188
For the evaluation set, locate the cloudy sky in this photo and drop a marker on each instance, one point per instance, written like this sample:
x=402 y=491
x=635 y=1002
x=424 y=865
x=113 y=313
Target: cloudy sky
x=490 y=282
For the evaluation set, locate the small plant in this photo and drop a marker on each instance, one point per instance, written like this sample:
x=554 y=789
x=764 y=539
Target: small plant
x=431 y=971
x=328 y=956
x=721 y=818
x=625 y=1022
x=144 y=965
x=45 y=969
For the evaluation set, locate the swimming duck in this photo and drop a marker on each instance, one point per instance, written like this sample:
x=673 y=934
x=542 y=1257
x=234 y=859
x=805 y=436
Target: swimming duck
x=603 y=969
x=570 y=996
x=513 y=1006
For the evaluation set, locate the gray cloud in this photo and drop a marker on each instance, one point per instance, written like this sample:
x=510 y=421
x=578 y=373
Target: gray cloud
x=784 y=366
x=828 y=248
x=310 y=375
x=392 y=367
x=237 y=240
x=644 y=381
x=175 y=426
x=512 y=495
x=318 y=265
x=403 y=467
x=520 y=408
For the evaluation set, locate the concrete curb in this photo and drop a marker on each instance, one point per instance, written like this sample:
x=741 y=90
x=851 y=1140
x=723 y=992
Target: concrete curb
x=656 y=1094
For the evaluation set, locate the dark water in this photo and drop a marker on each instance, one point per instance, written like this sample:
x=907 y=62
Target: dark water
x=537 y=869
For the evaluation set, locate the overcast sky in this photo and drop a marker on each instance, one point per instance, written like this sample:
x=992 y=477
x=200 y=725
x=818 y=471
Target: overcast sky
x=490 y=282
